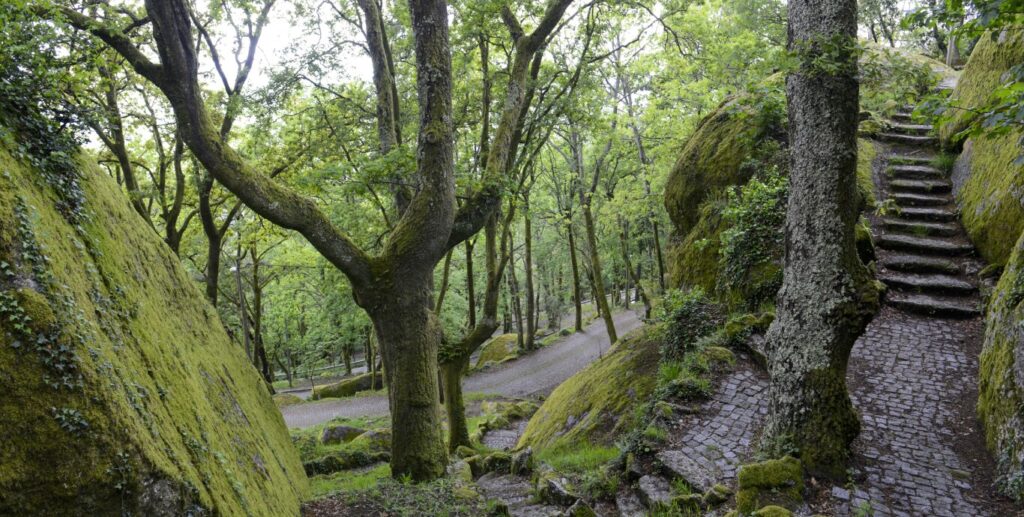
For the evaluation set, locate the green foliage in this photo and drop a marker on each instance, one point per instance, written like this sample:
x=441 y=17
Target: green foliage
x=756 y=214
x=892 y=78
x=686 y=317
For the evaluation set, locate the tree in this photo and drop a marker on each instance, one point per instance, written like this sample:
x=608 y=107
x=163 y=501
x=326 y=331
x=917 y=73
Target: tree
x=394 y=287
x=827 y=296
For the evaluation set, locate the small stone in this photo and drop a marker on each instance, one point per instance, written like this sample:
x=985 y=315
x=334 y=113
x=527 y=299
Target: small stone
x=464 y=493
x=841 y=493
x=580 y=509
x=522 y=462
x=717 y=495
x=464 y=452
x=555 y=490
x=461 y=470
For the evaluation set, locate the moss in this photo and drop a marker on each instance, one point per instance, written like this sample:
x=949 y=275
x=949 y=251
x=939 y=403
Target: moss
x=597 y=402
x=773 y=511
x=177 y=419
x=348 y=387
x=37 y=308
x=990 y=188
x=777 y=481
x=717 y=354
x=287 y=399
x=866 y=154
x=1001 y=372
x=498 y=350
x=712 y=157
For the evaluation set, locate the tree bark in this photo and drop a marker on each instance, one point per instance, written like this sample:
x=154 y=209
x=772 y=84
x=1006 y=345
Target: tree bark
x=600 y=299
x=531 y=301
x=470 y=287
x=827 y=296
x=577 y=291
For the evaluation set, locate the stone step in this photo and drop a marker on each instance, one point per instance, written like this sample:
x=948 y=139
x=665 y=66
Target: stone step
x=908 y=199
x=911 y=159
x=679 y=465
x=903 y=116
x=926 y=214
x=924 y=245
x=920 y=264
x=921 y=228
x=938 y=306
x=910 y=129
x=921 y=186
x=654 y=491
x=929 y=283
x=915 y=172
x=898 y=138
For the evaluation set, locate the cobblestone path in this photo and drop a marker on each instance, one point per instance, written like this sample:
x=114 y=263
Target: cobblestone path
x=913 y=374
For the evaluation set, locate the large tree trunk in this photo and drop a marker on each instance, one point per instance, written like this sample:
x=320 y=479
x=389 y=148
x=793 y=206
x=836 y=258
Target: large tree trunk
x=577 y=291
x=409 y=336
x=827 y=296
x=600 y=300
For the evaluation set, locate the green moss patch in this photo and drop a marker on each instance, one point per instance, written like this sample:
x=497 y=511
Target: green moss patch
x=348 y=387
x=598 y=402
x=774 y=482
x=160 y=412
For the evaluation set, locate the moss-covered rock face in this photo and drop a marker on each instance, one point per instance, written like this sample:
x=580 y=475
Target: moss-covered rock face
x=989 y=186
x=1001 y=396
x=712 y=157
x=599 y=401
x=122 y=394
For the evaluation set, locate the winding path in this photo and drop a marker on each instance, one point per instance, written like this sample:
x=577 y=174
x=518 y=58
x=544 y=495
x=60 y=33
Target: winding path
x=539 y=372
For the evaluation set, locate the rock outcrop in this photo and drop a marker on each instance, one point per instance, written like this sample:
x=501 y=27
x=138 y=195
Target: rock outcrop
x=988 y=182
x=122 y=393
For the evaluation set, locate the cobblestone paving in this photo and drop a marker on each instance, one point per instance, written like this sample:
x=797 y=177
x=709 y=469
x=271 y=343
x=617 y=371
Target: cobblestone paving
x=909 y=373
x=720 y=437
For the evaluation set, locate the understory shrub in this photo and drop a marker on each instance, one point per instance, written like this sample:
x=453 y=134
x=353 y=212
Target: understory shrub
x=752 y=246
x=686 y=317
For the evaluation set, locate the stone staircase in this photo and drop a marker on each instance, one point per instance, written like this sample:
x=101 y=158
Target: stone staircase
x=924 y=254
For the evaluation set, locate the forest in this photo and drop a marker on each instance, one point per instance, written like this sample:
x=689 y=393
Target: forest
x=493 y=257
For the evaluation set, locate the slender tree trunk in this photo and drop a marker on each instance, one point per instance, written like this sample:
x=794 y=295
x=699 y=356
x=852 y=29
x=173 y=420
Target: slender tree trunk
x=531 y=301
x=214 y=238
x=657 y=249
x=577 y=292
x=444 y=282
x=827 y=296
x=640 y=292
x=243 y=314
x=517 y=306
x=470 y=287
x=601 y=301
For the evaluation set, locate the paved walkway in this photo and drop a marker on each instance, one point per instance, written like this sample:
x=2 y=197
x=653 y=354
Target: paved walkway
x=912 y=375
x=536 y=373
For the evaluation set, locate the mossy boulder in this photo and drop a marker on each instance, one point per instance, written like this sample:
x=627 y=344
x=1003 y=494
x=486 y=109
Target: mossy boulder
x=343 y=460
x=596 y=403
x=335 y=434
x=348 y=387
x=378 y=440
x=498 y=350
x=712 y=157
x=715 y=158
x=1001 y=373
x=772 y=482
x=122 y=393
x=988 y=181
x=287 y=399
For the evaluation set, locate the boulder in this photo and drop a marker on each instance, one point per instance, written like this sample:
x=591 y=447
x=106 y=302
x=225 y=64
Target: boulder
x=122 y=393
x=522 y=462
x=580 y=509
x=348 y=387
x=375 y=440
x=554 y=489
x=777 y=482
x=461 y=471
x=343 y=460
x=335 y=434
x=498 y=350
